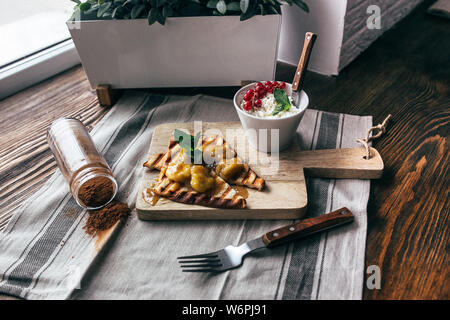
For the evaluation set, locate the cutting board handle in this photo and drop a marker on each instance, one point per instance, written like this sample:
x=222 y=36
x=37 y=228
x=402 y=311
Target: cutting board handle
x=342 y=163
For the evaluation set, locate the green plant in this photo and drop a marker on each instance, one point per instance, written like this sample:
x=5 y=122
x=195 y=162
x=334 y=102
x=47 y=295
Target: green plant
x=159 y=10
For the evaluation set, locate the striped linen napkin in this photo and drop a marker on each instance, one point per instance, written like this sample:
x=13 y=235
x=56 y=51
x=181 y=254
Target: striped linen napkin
x=45 y=253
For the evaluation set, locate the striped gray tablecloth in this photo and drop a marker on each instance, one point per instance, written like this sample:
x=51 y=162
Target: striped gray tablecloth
x=45 y=253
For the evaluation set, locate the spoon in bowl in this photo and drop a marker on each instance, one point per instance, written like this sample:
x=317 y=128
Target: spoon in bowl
x=299 y=78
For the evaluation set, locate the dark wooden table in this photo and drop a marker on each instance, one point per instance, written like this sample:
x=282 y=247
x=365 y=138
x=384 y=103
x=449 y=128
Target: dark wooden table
x=405 y=72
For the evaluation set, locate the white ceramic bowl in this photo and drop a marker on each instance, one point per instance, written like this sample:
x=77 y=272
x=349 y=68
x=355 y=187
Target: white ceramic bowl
x=262 y=132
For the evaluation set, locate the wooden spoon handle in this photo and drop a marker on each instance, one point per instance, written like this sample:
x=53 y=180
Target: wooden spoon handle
x=308 y=226
x=299 y=78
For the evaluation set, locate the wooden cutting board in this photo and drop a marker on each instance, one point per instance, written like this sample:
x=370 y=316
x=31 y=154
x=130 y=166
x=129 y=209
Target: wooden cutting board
x=285 y=195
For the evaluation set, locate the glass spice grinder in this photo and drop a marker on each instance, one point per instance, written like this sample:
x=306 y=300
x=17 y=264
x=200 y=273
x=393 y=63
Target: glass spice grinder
x=90 y=179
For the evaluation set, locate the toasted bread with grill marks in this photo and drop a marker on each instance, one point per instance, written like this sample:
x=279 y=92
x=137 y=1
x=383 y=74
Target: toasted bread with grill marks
x=159 y=160
x=247 y=177
x=222 y=196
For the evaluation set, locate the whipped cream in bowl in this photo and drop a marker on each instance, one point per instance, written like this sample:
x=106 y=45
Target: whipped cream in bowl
x=268 y=114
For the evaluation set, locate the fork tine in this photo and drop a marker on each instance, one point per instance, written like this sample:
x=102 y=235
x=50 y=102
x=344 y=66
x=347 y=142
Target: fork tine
x=199 y=260
x=200 y=270
x=205 y=255
x=204 y=265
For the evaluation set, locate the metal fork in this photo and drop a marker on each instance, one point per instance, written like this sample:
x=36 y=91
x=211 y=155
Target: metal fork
x=231 y=256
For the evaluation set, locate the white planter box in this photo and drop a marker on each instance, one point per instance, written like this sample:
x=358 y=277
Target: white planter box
x=185 y=52
x=341 y=26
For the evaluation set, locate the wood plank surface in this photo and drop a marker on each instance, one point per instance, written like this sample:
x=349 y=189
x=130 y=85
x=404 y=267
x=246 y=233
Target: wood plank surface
x=405 y=72
x=25 y=159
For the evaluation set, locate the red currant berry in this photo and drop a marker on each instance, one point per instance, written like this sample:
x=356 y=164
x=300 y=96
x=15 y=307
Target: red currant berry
x=258 y=85
x=270 y=90
x=251 y=91
x=269 y=83
x=276 y=84
x=282 y=85
x=248 y=106
x=248 y=96
x=258 y=103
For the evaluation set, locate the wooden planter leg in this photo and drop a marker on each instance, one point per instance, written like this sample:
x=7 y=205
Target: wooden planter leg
x=107 y=96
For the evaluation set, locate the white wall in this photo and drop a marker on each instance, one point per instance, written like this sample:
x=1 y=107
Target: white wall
x=341 y=27
x=326 y=19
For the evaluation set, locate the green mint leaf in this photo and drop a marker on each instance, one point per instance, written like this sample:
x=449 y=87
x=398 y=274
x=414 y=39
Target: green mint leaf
x=189 y=143
x=281 y=97
x=184 y=140
x=278 y=109
x=282 y=100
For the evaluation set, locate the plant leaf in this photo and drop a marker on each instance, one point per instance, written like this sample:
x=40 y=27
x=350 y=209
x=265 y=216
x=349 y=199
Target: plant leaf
x=251 y=11
x=76 y=14
x=127 y=2
x=152 y=16
x=282 y=99
x=114 y=14
x=137 y=10
x=103 y=8
x=221 y=6
x=85 y=6
x=167 y=11
x=244 y=5
x=134 y=9
x=234 y=6
x=185 y=140
x=160 y=17
x=263 y=11
x=189 y=143
x=212 y=4
x=278 y=109
x=273 y=9
x=301 y=4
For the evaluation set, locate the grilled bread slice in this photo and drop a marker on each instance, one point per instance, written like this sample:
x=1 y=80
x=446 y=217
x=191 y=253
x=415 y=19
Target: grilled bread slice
x=159 y=160
x=245 y=177
x=222 y=195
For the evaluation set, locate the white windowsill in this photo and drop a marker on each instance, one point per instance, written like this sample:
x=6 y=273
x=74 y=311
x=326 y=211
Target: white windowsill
x=37 y=67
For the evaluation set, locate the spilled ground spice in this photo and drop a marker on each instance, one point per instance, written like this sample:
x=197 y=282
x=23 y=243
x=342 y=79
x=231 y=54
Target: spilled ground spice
x=96 y=191
x=104 y=218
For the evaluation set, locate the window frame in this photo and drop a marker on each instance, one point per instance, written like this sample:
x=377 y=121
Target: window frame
x=36 y=67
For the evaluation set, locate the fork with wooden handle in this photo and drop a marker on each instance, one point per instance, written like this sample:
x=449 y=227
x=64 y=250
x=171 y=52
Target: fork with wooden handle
x=231 y=256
